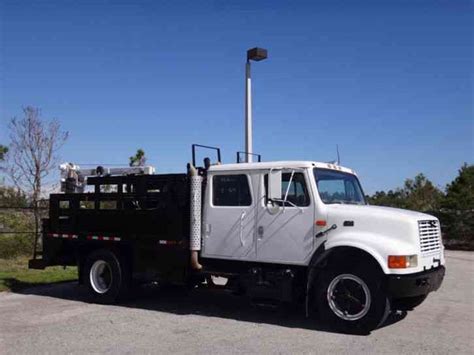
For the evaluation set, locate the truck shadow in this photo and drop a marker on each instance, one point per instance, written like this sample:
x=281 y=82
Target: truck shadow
x=204 y=302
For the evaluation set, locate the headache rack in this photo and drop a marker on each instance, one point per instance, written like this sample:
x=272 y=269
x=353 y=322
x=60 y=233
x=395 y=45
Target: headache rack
x=246 y=155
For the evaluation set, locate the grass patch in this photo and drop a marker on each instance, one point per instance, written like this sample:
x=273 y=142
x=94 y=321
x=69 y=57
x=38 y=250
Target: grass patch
x=15 y=275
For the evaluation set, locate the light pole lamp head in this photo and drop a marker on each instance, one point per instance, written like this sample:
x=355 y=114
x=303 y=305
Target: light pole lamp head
x=257 y=54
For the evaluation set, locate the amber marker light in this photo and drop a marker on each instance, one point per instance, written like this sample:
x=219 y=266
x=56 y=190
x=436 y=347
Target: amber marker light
x=402 y=261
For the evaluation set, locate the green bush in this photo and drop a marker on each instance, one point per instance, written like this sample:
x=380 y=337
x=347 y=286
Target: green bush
x=16 y=244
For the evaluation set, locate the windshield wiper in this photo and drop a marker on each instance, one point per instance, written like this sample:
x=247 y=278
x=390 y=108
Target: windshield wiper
x=344 y=202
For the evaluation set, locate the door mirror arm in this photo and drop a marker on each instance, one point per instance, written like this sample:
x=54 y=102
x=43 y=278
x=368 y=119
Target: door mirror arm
x=284 y=202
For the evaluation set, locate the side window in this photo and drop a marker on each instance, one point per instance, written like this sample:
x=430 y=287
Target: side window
x=297 y=192
x=108 y=205
x=86 y=205
x=231 y=190
x=108 y=188
x=64 y=205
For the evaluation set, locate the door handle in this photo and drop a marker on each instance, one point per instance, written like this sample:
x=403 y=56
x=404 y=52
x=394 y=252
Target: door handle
x=242 y=216
x=207 y=230
x=260 y=231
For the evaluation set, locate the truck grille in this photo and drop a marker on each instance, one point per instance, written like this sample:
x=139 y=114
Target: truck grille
x=430 y=236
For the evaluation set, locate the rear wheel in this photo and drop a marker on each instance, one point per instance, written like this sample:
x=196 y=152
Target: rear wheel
x=352 y=299
x=107 y=277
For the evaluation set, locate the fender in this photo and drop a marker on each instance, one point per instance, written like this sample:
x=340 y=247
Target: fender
x=377 y=245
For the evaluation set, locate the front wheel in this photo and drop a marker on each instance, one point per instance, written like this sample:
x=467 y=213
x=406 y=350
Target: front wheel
x=107 y=277
x=352 y=300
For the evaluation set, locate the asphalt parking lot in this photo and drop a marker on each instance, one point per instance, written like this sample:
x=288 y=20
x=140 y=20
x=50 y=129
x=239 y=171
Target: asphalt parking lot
x=55 y=319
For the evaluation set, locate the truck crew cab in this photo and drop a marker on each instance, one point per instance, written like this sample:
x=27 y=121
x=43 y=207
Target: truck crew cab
x=291 y=231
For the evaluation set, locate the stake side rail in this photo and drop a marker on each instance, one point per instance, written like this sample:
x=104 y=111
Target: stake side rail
x=146 y=215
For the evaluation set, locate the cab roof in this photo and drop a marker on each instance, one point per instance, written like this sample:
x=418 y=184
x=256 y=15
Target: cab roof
x=279 y=164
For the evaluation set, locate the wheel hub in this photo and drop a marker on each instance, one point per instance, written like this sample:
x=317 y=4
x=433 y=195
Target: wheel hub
x=101 y=276
x=349 y=297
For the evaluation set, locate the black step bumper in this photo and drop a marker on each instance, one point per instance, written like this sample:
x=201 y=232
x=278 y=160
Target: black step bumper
x=421 y=283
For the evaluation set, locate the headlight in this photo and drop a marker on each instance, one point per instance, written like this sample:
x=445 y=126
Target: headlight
x=402 y=261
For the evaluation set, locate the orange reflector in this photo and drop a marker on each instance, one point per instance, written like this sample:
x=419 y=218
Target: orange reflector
x=321 y=222
x=397 y=261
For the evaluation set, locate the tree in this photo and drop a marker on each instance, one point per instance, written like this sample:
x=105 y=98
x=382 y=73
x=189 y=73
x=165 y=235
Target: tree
x=417 y=194
x=11 y=197
x=3 y=152
x=458 y=205
x=390 y=199
x=138 y=159
x=421 y=195
x=32 y=153
x=460 y=192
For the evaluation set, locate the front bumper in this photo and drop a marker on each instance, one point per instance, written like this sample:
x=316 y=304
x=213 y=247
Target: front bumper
x=421 y=283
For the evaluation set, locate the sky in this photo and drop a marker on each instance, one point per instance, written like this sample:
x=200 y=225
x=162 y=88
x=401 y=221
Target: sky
x=390 y=82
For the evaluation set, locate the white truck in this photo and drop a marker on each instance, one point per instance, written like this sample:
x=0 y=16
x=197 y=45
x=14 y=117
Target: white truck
x=291 y=231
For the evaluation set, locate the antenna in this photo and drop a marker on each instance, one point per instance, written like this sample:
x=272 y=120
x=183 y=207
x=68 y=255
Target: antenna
x=338 y=160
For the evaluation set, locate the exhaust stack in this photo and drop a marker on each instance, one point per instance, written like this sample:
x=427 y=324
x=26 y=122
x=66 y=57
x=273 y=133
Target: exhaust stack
x=195 y=217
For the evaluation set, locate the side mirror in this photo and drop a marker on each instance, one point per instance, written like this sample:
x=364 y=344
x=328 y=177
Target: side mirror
x=274 y=185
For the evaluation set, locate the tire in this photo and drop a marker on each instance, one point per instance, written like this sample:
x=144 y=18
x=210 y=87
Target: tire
x=107 y=277
x=408 y=303
x=352 y=300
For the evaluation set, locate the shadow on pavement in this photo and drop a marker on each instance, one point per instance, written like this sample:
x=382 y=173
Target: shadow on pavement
x=204 y=302
x=18 y=286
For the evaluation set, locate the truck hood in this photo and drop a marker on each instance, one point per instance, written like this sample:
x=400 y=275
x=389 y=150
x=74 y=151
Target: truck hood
x=377 y=212
x=398 y=227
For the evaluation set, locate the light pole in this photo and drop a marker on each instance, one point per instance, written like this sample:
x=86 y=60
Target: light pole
x=256 y=54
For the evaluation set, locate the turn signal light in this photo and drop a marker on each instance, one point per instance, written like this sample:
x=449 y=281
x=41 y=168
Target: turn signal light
x=402 y=261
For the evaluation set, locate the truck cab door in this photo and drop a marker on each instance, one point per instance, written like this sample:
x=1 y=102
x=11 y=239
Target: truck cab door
x=285 y=230
x=229 y=217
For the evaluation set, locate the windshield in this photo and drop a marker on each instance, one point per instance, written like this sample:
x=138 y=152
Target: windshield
x=338 y=187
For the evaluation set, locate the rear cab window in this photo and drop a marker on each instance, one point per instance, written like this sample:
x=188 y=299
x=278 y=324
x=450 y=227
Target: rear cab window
x=231 y=190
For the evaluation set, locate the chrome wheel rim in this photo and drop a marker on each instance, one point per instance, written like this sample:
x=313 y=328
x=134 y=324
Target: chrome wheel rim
x=101 y=276
x=349 y=297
